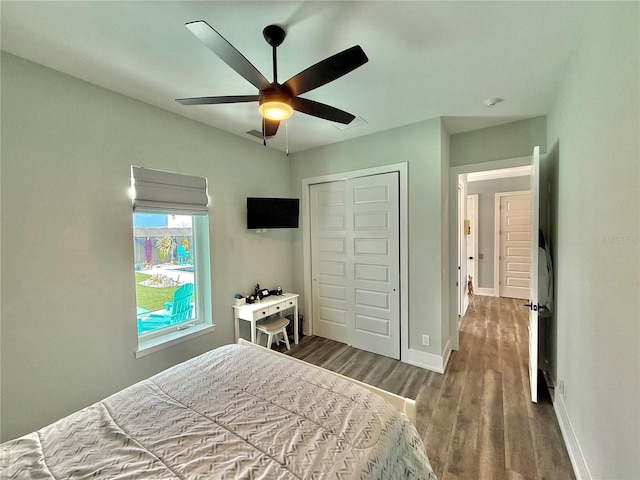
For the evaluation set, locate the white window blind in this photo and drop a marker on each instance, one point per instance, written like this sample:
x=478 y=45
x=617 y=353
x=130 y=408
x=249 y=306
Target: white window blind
x=166 y=191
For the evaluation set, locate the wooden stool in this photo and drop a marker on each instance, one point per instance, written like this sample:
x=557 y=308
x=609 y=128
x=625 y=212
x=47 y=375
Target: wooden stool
x=272 y=328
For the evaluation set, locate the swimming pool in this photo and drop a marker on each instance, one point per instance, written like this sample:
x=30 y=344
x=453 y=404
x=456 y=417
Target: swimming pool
x=187 y=268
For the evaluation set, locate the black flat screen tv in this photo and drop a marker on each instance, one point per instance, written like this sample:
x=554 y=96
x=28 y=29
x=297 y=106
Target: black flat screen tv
x=272 y=212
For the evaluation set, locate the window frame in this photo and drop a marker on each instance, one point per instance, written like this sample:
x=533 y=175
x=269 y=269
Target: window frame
x=165 y=337
x=169 y=193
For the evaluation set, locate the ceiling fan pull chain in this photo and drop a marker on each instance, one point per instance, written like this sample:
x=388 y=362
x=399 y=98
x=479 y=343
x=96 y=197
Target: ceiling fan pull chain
x=286 y=136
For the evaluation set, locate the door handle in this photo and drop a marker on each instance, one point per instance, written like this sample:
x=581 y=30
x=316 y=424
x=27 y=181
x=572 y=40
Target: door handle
x=532 y=307
x=470 y=258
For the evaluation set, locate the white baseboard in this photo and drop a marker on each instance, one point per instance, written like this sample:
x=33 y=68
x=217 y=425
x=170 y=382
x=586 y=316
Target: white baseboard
x=487 y=292
x=578 y=462
x=426 y=360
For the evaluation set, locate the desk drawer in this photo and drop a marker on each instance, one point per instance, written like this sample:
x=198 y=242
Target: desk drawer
x=273 y=309
x=263 y=312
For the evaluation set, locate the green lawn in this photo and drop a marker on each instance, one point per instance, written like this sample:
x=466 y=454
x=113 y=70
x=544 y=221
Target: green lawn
x=152 y=298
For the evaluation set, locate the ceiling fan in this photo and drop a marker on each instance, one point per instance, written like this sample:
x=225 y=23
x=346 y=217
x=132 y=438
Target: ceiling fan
x=278 y=101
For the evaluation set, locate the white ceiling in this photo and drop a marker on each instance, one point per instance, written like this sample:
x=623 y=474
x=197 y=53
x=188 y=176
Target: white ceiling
x=426 y=59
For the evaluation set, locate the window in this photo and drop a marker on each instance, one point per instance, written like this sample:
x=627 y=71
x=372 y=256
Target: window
x=171 y=258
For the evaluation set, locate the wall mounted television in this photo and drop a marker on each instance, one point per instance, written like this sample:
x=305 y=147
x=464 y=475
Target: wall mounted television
x=272 y=212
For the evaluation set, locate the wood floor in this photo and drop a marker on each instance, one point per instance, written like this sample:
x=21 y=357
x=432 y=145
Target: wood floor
x=476 y=420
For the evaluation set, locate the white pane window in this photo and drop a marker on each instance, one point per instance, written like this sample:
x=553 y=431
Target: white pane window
x=165 y=271
x=171 y=260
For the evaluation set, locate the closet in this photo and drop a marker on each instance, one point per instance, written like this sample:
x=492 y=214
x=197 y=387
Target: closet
x=355 y=262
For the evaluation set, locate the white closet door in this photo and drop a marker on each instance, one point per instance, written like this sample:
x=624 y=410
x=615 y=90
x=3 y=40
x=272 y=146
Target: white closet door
x=329 y=260
x=356 y=262
x=373 y=261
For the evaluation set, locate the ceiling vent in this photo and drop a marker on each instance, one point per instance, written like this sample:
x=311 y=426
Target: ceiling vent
x=356 y=122
x=256 y=133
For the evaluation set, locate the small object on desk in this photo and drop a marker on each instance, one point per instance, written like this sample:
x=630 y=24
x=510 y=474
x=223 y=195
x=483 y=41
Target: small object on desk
x=240 y=300
x=264 y=293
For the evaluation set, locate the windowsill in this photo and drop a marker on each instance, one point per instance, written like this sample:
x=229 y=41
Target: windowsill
x=156 y=344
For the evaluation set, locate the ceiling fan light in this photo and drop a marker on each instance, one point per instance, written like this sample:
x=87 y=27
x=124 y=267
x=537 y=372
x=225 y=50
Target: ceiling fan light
x=275 y=110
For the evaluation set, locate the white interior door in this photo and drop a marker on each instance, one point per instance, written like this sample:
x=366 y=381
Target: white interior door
x=461 y=283
x=355 y=262
x=515 y=245
x=329 y=260
x=533 y=284
x=374 y=263
x=472 y=238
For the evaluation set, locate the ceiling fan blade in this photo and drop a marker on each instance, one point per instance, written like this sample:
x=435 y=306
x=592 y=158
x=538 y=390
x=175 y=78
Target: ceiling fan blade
x=227 y=52
x=269 y=127
x=216 y=100
x=317 y=109
x=327 y=70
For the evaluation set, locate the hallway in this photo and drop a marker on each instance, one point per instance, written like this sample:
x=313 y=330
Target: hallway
x=482 y=422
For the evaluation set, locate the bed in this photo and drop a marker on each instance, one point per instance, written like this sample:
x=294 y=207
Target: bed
x=239 y=411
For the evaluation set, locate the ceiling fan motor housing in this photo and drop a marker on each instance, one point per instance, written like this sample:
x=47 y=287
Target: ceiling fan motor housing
x=274 y=35
x=275 y=92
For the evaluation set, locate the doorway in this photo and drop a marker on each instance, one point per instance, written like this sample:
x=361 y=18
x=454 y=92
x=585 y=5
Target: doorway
x=472 y=240
x=469 y=176
x=467 y=245
x=517 y=205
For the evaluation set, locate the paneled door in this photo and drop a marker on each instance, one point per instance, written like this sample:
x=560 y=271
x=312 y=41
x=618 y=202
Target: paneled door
x=515 y=245
x=329 y=260
x=356 y=262
x=374 y=263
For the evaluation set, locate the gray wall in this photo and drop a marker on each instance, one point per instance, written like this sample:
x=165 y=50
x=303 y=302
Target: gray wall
x=510 y=140
x=445 y=236
x=68 y=310
x=593 y=132
x=486 y=191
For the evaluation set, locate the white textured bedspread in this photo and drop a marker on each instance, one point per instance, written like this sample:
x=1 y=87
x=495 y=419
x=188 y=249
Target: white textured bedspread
x=232 y=413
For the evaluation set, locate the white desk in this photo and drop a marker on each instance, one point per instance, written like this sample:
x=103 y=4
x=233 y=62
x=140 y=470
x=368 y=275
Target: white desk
x=266 y=307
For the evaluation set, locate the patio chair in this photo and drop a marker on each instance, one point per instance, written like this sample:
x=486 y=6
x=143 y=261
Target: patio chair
x=176 y=311
x=184 y=255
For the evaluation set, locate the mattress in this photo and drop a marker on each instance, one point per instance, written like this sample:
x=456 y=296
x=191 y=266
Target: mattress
x=233 y=412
